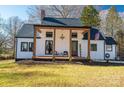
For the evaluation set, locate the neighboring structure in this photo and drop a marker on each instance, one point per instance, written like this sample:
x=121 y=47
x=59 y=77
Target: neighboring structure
x=63 y=39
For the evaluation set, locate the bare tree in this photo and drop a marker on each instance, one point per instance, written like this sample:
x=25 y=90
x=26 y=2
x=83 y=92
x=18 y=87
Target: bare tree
x=13 y=24
x=2 y=42
x=66 y=11
x=120 y=43
x=113 y=22
x=4 y=36
x=61 y=11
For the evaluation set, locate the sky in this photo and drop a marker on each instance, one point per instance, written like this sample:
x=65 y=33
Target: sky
x=120 y=8
x=7 y=11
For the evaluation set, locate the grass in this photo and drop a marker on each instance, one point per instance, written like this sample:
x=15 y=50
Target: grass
x=60 y=75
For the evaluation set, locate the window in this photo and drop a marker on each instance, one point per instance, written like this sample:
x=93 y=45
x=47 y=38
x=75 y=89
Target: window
x=108 y=47
x=24 y=46
x=49 y=47
x=30 y=46
x=93 y=47
x=49 y=34
x=74 y=35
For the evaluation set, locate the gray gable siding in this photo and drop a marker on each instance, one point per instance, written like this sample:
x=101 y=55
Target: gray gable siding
x=26 y=31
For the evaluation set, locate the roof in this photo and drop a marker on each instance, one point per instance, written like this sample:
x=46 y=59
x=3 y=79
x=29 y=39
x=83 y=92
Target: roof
x=27 y=30
x=93 y=32
x=66 y=22
x=110 y=41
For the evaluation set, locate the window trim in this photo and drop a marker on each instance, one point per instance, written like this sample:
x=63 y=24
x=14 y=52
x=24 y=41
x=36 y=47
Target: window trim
x=21 y=47
x=93 y=49
x=47 y=36
x=108 y=50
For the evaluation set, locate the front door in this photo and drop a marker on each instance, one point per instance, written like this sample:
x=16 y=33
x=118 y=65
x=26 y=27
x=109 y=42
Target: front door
x=74 y=48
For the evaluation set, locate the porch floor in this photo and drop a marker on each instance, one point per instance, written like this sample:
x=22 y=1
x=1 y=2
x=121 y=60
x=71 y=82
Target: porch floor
x=58 y=58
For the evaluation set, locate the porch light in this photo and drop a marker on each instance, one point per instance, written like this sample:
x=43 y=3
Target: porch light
x=62 y=37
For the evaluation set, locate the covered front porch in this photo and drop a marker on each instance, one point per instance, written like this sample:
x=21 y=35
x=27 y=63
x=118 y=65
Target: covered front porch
x=69 y=55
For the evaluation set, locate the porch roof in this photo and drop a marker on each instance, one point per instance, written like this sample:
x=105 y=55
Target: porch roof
x=27 y=30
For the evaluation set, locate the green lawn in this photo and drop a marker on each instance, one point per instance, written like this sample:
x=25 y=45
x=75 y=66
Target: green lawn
x=12 y=74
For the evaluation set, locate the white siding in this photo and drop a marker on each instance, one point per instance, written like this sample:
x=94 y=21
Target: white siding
x=99 y=54
x=60 y=45
x=112 y=53
x=63 y=45
x=40 y=43
x=20 y=54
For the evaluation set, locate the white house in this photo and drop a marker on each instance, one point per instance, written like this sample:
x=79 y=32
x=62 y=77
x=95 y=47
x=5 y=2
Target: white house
x=63 y=39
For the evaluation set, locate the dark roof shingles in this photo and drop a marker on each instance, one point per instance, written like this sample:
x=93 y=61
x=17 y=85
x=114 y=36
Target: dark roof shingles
x=75 y=22
x=110 y=41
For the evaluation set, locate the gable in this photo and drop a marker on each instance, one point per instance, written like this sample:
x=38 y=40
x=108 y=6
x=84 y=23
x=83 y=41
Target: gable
x=93 y=32
x=26 y=30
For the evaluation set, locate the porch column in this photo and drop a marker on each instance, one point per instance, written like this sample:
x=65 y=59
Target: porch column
x=54 y=37
x=88 y=54
x=34 y=49
x=70 y=46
